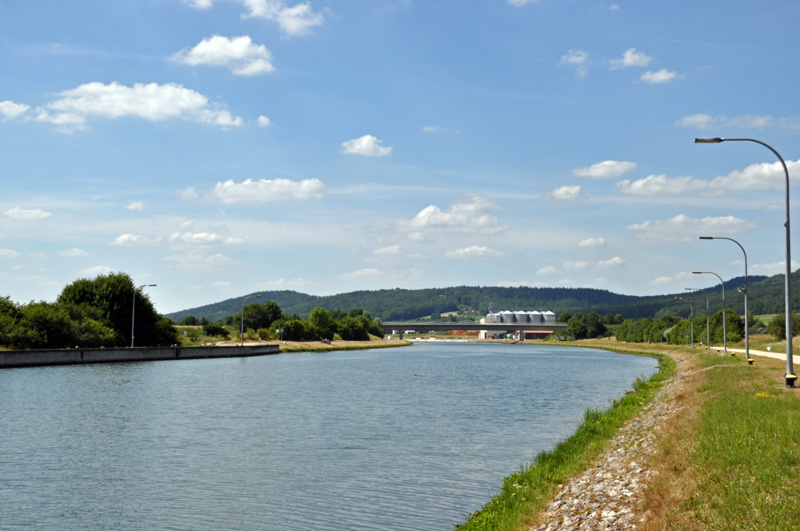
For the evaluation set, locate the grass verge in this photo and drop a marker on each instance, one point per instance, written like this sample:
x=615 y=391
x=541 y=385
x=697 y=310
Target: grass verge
x=745 y=452
x=526 y=492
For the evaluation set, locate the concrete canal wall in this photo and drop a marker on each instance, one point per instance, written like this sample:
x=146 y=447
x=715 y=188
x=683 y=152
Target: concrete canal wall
x=38 y=358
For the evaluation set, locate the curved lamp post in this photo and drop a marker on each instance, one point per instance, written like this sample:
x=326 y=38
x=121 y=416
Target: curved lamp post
x=724 y=317
x=790 y=377
x=133 y=310
x=745 y=291
x=241 y=332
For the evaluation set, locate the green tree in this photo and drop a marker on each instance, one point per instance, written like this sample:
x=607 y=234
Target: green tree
x=216 y=329
x=257 y=315
x=586 y=326
x=113 y=296
x=776 y=327
x=321 y=320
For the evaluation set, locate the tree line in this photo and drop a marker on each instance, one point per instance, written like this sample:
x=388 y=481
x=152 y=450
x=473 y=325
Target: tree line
x=89 y=314
x=266 y=321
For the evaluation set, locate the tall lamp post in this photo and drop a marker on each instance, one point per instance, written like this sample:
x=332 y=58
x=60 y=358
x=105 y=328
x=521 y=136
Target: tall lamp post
x=790 y=377
x=708 y=329
x=745 y=291
x=724 y=317
x=241 y=332
x=133 y=310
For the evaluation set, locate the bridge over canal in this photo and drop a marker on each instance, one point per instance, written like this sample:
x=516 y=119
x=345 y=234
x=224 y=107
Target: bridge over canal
x=541 y=328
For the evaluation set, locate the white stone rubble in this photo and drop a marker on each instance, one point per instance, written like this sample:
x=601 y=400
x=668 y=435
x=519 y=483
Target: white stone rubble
x=607 y=496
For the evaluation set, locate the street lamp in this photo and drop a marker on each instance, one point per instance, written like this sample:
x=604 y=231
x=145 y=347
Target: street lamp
x=790 y=377
x=743 y=290
x=241 y=332
x=724 y=317
x=133 y=310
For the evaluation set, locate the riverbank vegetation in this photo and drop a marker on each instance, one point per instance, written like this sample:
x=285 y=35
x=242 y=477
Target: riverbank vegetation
x=266 y=322
x=729 y=460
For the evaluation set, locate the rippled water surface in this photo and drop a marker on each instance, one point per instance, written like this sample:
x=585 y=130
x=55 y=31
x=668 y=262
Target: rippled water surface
x=409 y=438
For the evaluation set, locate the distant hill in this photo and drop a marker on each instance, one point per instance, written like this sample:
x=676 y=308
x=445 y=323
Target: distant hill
x=766 y=296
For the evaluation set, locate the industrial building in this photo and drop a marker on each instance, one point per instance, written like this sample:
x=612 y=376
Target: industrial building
x=518 y=317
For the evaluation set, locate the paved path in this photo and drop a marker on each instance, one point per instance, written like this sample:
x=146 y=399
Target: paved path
x=764 y=353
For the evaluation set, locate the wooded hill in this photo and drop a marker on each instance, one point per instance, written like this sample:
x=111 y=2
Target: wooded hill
x=766 y=296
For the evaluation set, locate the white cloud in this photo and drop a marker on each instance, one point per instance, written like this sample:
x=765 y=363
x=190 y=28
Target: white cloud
x=546 y=270
x=190 y=192
x=366 y=145
x=9 y=253
x=631 y=57
x=20 y=214
x=130 y=240
x=746 y=121
x=94 y=271
x=763 y=176
x=662 y=185
x=195 y=237
x=152 y=102
x=295 y=20
x=11 y=110
x=240 y=54
x=682 y=228
x=578 y=59
x=198 y=261
x=72 y=253
x=135 y=205
x=606 y=169
x=264 y=190
x=198 y=4
x=521 y=2
x=472 y=215
x=362 y=274
x=474 y=251
x=567 y=193
x=578 y=264
x=391 y=250
x=592 y=242
x=611 y=262
x=263 y=121
x=654 y=78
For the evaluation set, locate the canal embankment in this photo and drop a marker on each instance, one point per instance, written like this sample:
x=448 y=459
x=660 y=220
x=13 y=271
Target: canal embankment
x=38 y=358
x=715 y=448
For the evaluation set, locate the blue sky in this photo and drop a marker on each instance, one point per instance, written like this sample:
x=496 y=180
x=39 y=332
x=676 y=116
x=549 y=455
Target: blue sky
x=221 y=147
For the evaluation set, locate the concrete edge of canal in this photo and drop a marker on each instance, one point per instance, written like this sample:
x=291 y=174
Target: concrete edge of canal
x=38 y=358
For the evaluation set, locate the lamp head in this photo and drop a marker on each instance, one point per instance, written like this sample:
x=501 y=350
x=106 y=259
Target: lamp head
x=716 y=140
x=706 y=237
x=697 y=272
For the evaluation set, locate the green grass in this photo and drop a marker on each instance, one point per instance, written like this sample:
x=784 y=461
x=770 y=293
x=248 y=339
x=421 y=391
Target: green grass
x=748 y=451
x=526 y=492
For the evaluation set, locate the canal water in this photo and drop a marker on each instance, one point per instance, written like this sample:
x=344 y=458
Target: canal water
x=406 y=438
